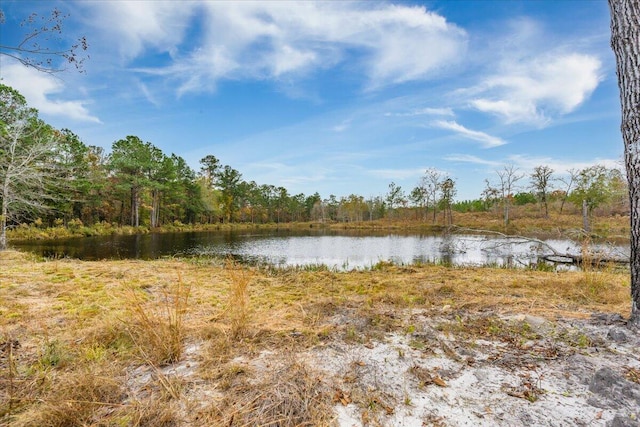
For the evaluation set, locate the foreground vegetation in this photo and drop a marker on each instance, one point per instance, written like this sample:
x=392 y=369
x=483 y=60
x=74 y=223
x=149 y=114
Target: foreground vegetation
x=101 y=343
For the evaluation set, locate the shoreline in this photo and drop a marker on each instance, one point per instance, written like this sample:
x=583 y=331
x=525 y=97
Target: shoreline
x=560 y=226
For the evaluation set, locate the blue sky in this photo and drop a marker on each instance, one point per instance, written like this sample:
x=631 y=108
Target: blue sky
x=339 y=97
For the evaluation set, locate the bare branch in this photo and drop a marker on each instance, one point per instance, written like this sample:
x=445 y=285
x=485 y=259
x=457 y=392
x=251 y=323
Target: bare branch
x=35 y=49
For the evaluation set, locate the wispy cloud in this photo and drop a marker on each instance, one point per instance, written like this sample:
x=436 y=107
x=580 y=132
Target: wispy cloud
x=428 y=111
x=388 y=44
x=467 y=158
x=531 y=91
x=148 y=95
x=134 y=26
x=527 y=163
x=529 y=83
x=560 y=166
x=43 y=92
x=485 y=139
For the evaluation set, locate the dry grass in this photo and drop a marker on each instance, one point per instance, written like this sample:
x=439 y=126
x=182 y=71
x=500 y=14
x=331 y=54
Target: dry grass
x=238 y=299
x=522 y=221
x=157 y=326
x=73 y=333
x=289 y=395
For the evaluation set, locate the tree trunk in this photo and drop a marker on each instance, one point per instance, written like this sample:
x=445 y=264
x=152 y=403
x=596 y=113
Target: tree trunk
x=506 y=213
x=585 y=217
x=155 y=208
x=135 y=207
x=625 y=42
x=3 y=219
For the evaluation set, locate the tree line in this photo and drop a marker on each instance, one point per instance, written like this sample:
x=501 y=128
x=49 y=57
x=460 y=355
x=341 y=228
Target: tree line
x=52 y=175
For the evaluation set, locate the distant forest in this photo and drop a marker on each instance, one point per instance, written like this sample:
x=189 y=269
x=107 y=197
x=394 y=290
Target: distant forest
x=50 y=177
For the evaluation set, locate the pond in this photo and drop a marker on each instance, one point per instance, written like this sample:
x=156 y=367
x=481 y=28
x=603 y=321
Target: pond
x=342 y=250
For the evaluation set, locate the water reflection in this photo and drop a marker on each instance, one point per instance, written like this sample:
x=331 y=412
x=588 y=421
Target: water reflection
x=337 y=250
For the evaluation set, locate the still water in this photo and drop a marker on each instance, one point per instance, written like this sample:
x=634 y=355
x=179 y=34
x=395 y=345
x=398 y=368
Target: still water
x=342 y=250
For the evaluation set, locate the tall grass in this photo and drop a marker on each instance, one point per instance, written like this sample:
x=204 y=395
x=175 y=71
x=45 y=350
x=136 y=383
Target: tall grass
x=238 y=301
x=157 y=327
x=599 y=281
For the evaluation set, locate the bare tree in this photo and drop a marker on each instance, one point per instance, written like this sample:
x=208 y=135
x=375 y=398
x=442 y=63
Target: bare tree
x=508 y=177
x=569 y=181
x=27 y=170
x=625 y=42
x=40 y=45
x=490 y=195
x=540 y=181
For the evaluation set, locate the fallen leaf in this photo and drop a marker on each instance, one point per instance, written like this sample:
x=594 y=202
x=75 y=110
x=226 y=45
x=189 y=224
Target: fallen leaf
x=342 y=397
x=439 y=382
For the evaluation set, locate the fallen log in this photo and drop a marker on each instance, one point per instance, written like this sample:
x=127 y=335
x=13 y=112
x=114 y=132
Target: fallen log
x=591 y=259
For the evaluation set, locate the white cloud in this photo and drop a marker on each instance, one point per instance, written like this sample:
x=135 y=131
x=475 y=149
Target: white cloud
x=527 y=163
x=424 y=112
x=530 y=83
x=485 y=139
x=40 y=90
x=133 y=26
x=560 y=167
x=148 y=95
x=467 y=158
x=389 y=44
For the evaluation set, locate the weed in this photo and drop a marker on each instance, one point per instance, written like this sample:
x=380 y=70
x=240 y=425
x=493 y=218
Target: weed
x=53 y=355
x=417 y=344
x=351 y=334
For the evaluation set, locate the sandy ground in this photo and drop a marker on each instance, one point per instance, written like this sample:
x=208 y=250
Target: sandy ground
x=527 y=371
x=576 y=372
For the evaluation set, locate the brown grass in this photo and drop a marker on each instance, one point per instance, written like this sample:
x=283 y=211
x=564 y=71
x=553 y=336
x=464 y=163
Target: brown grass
x=129 y=342
x=522 y=221
x=289 y=396
x=238 y=299
x=156 y=325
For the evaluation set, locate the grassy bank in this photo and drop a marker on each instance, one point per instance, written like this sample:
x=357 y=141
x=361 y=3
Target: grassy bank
x=556 y=225
x=100 y=343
